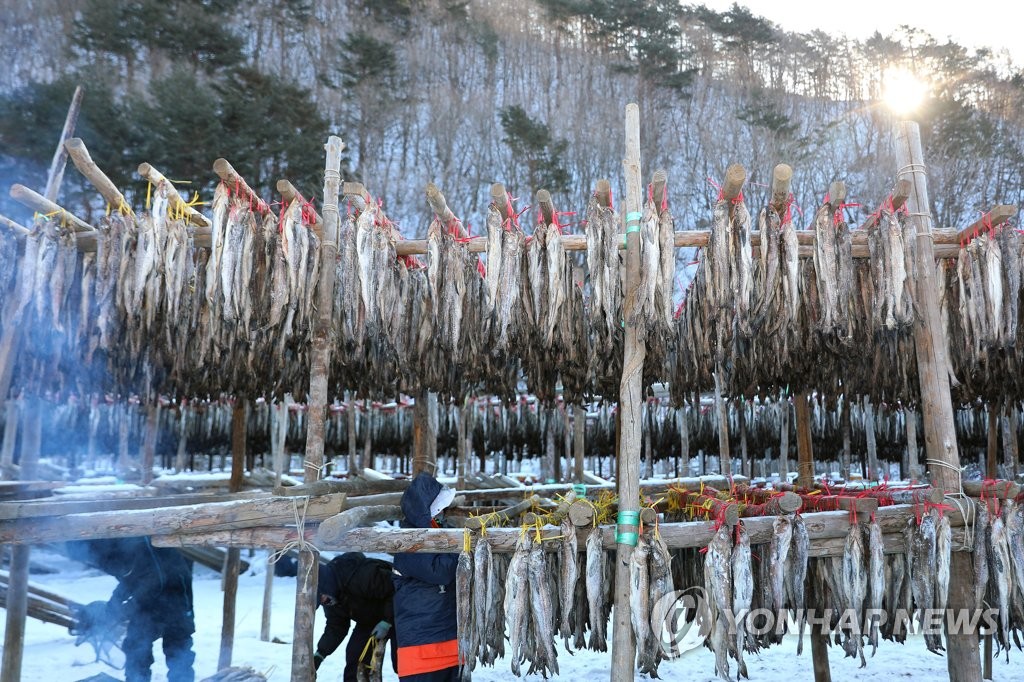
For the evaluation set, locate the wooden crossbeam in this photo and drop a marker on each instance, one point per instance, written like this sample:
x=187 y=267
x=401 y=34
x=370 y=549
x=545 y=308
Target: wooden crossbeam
x=156 y=178
x=997 y=216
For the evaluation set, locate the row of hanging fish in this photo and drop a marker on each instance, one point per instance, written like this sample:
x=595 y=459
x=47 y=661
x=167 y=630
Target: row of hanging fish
x=778 y=321
x=517 y=605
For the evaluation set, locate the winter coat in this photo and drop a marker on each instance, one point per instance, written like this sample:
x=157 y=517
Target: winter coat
x=425 y=607
x=361 y=590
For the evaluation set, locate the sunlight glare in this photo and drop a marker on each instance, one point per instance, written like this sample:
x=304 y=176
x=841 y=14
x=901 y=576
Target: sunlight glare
x=903 y=91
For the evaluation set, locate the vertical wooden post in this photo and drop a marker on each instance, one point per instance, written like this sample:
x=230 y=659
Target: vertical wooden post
x=232 y=563
x=181 y=458
x=350 y=417
x=579 y=427
x=962 y=657
x=992 y=452
x=804 y=444
x=741 y=405
x=305 y=613
x=10 y=438
x=1009 y=424
x=268 y=593
x=150 y=438
x=424 y=433
x=805 y=478
x=913 y=464
x=684 y=441
x=124 y=462
x=648 y=452
x=844 y=466
x=869 y=432
x=630 y=400
x=320 y=353
x=17 y=587
x=566 y=452
x=367 y=461
x=724 y=457
x=462 y=414
x=548 y=461
x=784 y=439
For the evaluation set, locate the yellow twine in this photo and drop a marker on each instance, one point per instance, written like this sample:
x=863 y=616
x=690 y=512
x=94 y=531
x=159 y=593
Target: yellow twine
x=467 y=543
x=370 y=642
x=149 y=193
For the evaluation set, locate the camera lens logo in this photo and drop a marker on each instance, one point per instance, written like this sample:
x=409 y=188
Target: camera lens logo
x=681 y=621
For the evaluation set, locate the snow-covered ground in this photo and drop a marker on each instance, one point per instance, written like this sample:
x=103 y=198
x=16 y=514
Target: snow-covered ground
x=51 y=656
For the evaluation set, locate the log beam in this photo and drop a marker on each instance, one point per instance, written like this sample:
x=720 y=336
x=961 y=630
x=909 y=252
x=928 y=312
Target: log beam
x=156 y=178
x=183 y=519
x=87 y=167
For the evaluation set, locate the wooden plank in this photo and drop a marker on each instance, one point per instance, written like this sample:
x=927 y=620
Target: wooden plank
x=963 y=661
x=183 y=519
x=631 y=399
x=259 y=537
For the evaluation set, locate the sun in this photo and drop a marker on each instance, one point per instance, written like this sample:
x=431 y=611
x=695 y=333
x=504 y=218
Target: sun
x=903 y=91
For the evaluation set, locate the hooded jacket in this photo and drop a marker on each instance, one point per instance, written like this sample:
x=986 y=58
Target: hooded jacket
x=362 y=591
x=425 y=620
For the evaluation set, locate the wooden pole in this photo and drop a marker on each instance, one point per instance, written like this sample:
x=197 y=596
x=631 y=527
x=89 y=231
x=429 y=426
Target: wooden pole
x=684 y=441
x=353 y=463
x=724 y=456
x=86 y=166
x=805 y=478
x=782 y=175
x=869 y=432
x=10 y=438
x=268 y=595
x=460 y=446
x=579 y=427
x=156 y=178
x=630 y=401
x=992 y=451
x=745 y=465
x=239 y=418
x=17 y=586
x=60 y=157
x=424 y=433
x=936 y=403
x=913 y=465
x=1009 y=426
x=320 y=354
x=844 y=467
x=566 y=442
x=367 y=460
x=804 y=446
x=305 y=613
x=149 y=440
x=784 y=439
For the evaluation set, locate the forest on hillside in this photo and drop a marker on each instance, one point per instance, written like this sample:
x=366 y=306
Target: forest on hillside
x=469 y=92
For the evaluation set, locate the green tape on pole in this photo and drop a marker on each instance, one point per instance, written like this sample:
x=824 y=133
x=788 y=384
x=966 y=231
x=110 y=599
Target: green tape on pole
x=628 y=518
x=627 y=539
x=579 y=489
x=634 y=216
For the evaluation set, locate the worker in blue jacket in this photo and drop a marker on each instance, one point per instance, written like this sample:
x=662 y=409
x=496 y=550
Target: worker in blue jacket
x=425 y=609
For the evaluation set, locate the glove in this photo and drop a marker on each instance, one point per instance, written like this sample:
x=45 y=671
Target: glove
x=318 y=658
x=88 y=619
x=381 y=629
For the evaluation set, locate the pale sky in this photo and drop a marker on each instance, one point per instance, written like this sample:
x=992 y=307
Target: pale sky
x=981 y=23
